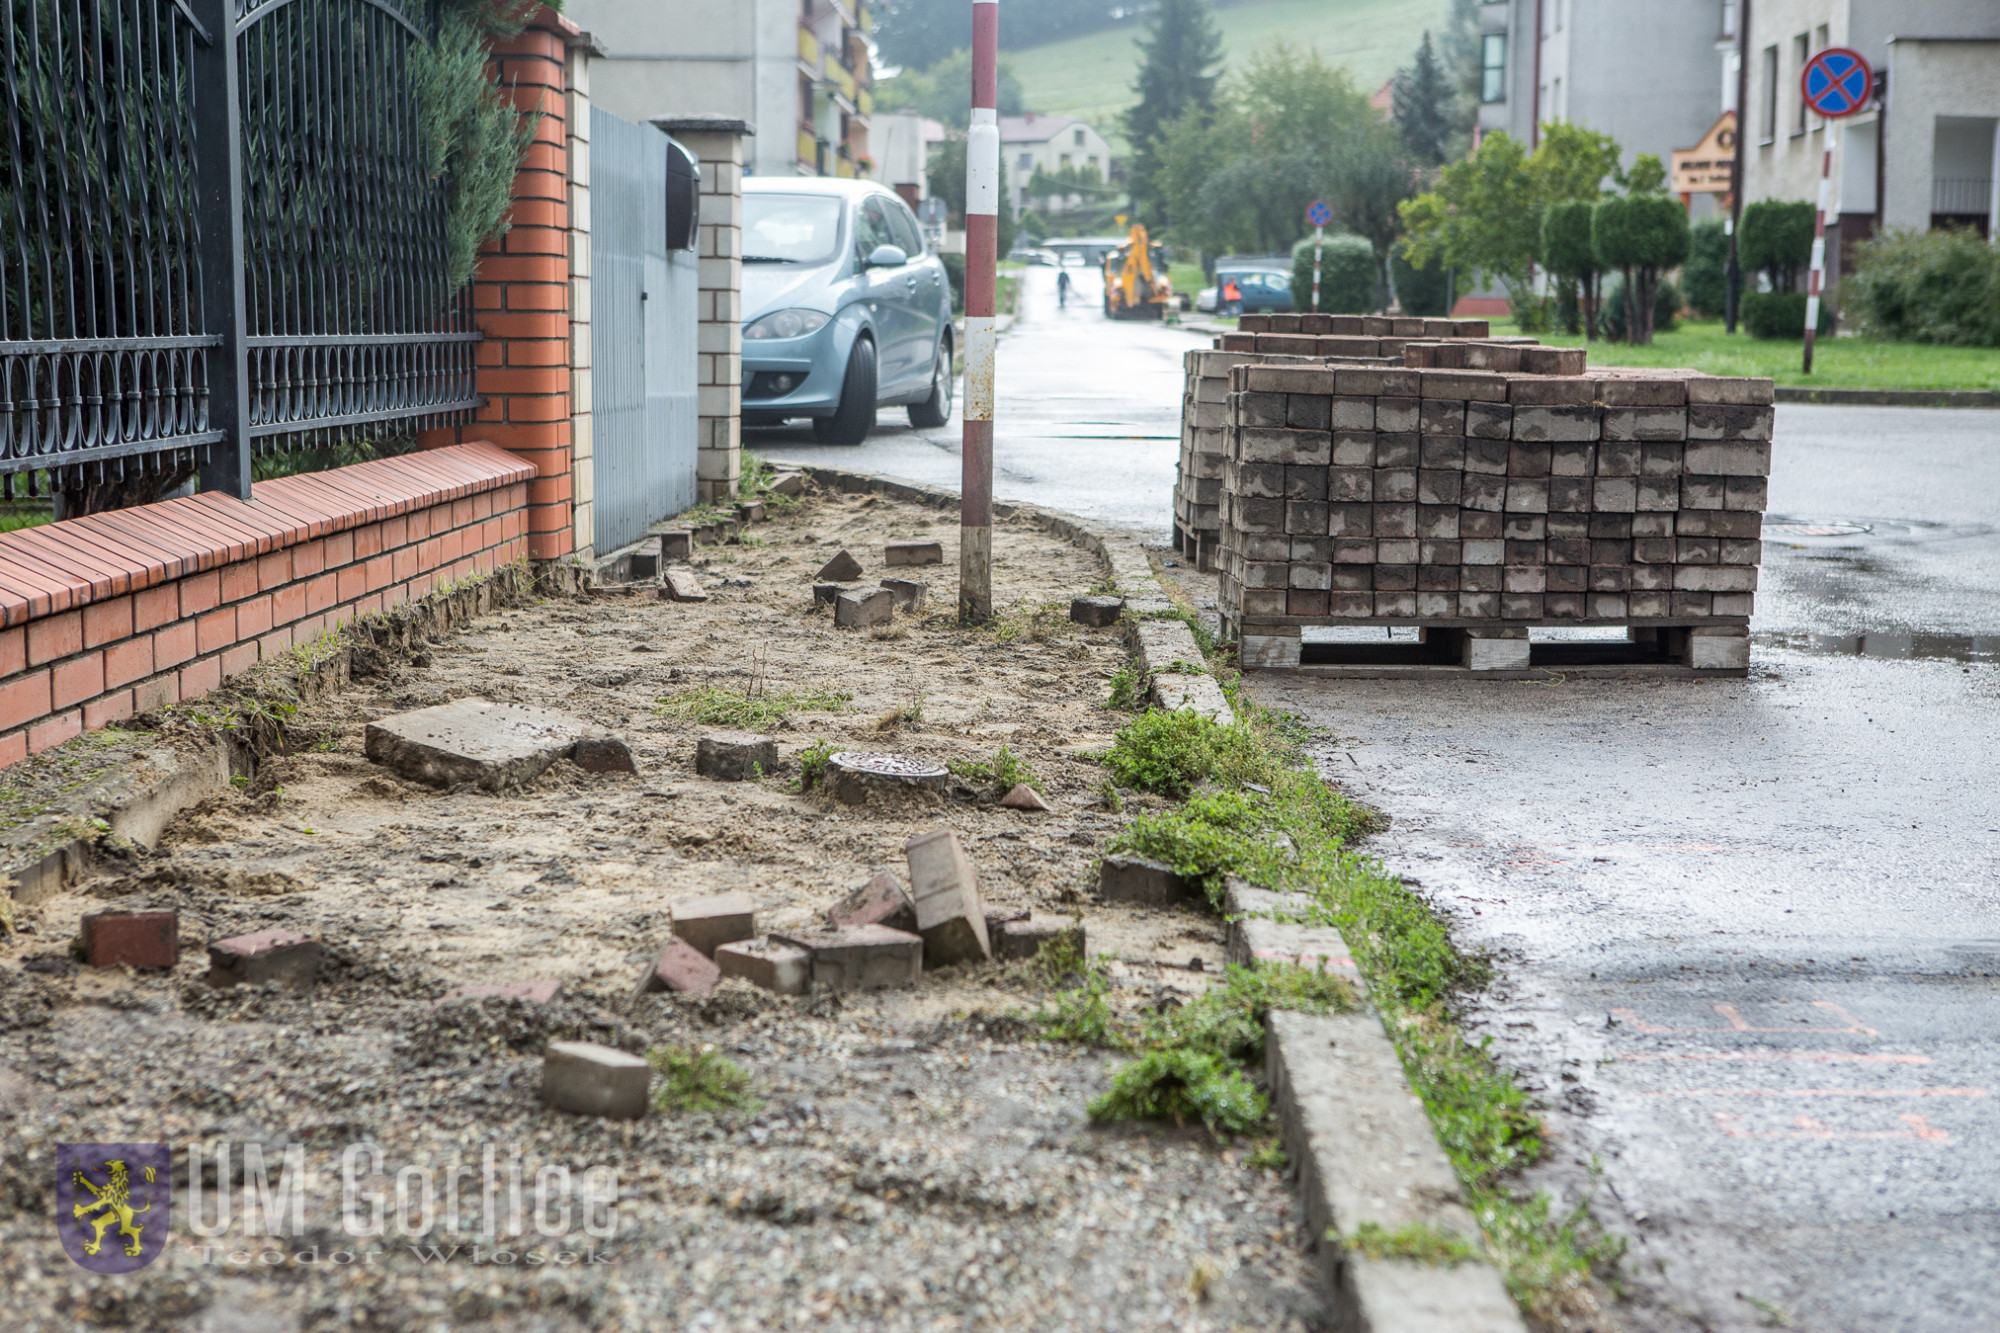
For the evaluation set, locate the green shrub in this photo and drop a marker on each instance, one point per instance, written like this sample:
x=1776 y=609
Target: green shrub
x=701 y=1079
x=1927 y=287
x=1666 y=309
x=1780 y=315
x=1347 y=276
x=1421 y=291
x=1168 y=753
x=1182 y=1085
x=1776 y=237
x=1706 y=273
x=1642 y=235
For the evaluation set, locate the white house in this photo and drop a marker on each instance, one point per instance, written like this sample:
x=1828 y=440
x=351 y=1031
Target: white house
x=1050 y=143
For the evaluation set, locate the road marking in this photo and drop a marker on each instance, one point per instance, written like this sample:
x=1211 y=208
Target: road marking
x=1821 y=1057
x=1854 y=1026
x=1808 y=1128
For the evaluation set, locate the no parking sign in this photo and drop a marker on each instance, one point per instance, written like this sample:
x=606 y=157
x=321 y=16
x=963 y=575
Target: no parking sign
x=1836 y=82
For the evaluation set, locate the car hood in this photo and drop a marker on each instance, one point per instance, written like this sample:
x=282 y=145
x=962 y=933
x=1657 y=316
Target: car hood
x=768 y=287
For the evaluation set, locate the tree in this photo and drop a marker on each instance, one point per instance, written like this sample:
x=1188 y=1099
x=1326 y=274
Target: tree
x=1641 y=235
x=1704 y=274
x=1180 y=54
x=1777 y=237
x=1571 y=256
x=944 y=92
x=1427 y=107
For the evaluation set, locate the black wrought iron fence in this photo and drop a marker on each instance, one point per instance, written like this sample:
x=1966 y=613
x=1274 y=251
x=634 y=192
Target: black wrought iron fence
x=221 y=238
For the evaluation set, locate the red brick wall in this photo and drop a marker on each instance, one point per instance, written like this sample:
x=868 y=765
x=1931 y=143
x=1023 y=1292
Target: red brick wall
x=106 y=616
x=521 y=296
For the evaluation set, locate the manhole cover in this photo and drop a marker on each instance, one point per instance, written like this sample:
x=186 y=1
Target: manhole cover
x=1819 y=529
x=888 y=765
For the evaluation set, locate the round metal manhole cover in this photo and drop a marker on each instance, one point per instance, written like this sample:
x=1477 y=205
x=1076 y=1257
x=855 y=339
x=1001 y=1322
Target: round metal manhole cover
x=888 y=765
x=1819 y=529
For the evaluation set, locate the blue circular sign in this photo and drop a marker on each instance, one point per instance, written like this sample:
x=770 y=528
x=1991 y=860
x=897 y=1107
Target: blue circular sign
x=1837 y=82
x=1319 y=214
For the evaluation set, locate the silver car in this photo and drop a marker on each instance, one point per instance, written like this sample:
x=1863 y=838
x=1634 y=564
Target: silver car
x=844 y=311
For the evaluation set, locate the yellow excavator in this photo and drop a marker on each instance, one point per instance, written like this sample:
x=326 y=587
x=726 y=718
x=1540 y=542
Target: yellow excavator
x=1136 y=285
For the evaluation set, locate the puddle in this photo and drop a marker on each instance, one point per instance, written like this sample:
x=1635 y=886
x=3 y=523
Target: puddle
x=1898 y=646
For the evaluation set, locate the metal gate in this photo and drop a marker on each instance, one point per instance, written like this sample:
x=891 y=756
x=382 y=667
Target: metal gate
x=642 y=338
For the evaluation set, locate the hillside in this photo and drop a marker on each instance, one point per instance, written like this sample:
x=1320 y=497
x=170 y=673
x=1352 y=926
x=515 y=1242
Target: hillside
x=1091 y=76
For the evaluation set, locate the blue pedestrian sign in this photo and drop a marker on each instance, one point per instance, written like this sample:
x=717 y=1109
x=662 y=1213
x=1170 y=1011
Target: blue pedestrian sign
x=1319 y=214
x=1837 y=82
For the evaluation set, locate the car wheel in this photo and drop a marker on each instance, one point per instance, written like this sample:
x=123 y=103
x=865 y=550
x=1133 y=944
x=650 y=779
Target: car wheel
x=855 y=417
x=935 y=410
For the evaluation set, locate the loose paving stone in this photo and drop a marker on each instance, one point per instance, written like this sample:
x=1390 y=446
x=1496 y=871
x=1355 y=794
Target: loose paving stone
x=681 y=967
x=860 y=957
x=735 y=756
x=950 y=915
x=277 y=954
x=1096 y=612
x=913 y=553
x=677 y=544
x=782 y=968
x=1024 y=797
x=138 y=939
x=825 y=594
x=750 y=511
x=603 y=754
x=909 y=593
x=585 y=1078
x=843 y=568
x=879 y=902
x=787 y=483
x=852 y=775
x=1133 y=879
x=490 y=745
x=995 y=920
x=678 y=585
x=707 y=923
x=1024 y=939
x=860 y=608
x=534 y=992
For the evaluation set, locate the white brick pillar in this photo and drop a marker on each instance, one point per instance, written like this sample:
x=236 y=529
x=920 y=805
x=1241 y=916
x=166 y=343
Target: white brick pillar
x=583 y=475
x=718 y=142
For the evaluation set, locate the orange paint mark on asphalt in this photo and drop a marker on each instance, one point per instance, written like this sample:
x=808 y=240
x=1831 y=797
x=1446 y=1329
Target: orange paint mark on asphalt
x=1817 y=1057
x=1805 y=1127
x=1819 y=1092
x=1854 y=1027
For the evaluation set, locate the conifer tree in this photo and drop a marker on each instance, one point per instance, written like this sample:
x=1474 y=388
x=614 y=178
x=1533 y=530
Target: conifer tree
x=1180 y=58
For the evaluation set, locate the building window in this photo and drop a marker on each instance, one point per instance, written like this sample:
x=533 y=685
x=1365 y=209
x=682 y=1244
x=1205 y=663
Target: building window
x=1027 y=162
x=1800 y=50
x=1493 y=67
x=1729 y=10
x=1767 y=122
x=1079 y=138
x=1065 y=162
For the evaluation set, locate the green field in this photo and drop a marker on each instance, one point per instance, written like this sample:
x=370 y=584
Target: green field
x=1090 y=77
x=1838 y=363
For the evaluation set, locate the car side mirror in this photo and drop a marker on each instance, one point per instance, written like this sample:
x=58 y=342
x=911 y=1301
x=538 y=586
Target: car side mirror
x=886 y=256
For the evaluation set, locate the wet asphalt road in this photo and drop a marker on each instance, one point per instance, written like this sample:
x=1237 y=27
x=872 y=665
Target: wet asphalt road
x=1748 y=931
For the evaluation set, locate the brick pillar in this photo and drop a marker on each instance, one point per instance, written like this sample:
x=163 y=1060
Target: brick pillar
x=522 y=294
x=718 y=142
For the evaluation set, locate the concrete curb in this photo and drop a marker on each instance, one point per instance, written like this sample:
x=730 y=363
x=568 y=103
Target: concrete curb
x=1800 y=393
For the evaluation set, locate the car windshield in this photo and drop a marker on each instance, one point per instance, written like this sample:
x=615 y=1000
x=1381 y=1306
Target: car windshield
x=789 y=228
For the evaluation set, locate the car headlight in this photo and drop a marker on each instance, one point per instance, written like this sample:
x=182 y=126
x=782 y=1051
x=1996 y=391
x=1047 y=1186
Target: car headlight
x=787 y=324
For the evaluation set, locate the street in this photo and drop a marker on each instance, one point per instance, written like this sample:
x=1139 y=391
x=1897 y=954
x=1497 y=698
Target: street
x=1746 y=931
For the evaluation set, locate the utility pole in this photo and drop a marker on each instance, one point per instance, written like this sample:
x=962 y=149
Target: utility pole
x=1732 y=299
x=982 y=238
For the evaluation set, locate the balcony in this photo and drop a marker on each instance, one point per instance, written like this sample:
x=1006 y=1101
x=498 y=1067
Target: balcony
x=1961 y=196
x=808 y=49
x=809 y=150
x=837 y=75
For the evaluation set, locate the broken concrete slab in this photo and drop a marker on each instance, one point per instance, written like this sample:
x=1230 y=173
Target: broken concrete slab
x=492 y=746
x=859 y=608
x=997 y=919
x=879 y=902
x=1024 y=939
x=784 y=969
x=603 y=754
x=708 y=923
x=677 y=544
x=277 y=954
x=584 y=1078
x=825 y=594
x=950 y=914
x=913 y=553
x=679 y=585
x=787 y=483
x=136 y=939
x=1024 y=797
x=1143 y=883
x=534 y=992
x=843 y=568
x=909 y=593
x=681 y=967
x=1096 y=612
x=860 y=957
x=735 y=756
x=852 y=775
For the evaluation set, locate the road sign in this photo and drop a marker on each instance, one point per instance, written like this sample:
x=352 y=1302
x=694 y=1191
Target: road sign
x=1705 y=168
x=1837 y=82
x=1319 y=214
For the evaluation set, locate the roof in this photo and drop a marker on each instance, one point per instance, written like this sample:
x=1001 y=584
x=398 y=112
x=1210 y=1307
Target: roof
x=1032 y=128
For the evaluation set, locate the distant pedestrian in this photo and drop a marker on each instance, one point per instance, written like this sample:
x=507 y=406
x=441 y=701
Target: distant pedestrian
x=1232 y=297
x=1062 y=289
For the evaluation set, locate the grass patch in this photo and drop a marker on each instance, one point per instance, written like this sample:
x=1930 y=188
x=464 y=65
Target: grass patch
x=1181 y=1084
x=1003 y=772
x=1030 y=622
x=747 y=710
x=812 y=764
x=699 y=1079
x=1080 y=1011
x=1415 y=1242
x=1170 y=753
x=1204 y=637
x=1128 y=689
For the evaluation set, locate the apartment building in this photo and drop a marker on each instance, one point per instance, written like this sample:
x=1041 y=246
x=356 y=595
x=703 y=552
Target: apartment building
x=796 y=70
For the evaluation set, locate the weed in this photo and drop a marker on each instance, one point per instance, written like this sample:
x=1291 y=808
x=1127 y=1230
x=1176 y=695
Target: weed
x=1204 y=637
x=1106 y=586
x=1180 y=1085
x=1547 y=1261
x=1003 y=772
x=1171 y=752
x=1202 y=1276
x=812 y=764
x=240 y=781
x=1128 y=688
x=1269 y=1155
x=889 y=633
x=699 y=1079
x=1413 y=1241
x=748 y=710
x=1228 y=1021
x=1030 y=622
x=1114 y=800
x=1081 y=1013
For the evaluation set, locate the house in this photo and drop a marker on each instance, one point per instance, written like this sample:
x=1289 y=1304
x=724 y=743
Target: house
x=797 y=71
x=902 y=142
x=1050 y=144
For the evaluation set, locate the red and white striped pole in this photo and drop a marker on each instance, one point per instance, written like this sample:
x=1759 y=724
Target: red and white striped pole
x=1815 y=281
x=982 y=237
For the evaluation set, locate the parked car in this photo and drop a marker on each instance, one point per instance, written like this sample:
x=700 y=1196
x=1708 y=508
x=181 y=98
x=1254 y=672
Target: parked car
x=1263 y=290
x=844 y=309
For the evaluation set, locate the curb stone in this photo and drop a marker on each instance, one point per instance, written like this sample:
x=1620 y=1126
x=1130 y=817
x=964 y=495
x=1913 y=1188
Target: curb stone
x=1800 y=393
x=1364 y=1145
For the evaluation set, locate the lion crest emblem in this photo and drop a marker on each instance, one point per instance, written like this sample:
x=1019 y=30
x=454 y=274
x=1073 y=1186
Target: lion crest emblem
x=112 y=1201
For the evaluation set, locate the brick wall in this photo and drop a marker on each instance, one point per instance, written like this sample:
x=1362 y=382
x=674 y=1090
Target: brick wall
x=119 y=613
x=718 y=143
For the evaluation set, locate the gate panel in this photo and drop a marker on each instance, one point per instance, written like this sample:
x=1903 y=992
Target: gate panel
x=642 y=338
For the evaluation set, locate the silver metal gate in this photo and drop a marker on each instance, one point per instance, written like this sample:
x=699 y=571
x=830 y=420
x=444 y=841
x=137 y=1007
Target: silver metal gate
x=642 y=338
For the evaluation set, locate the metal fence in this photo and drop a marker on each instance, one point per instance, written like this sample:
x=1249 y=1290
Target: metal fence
x=219 y=238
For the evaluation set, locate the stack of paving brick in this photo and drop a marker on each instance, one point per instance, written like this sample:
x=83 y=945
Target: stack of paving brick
x=1485 y=502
